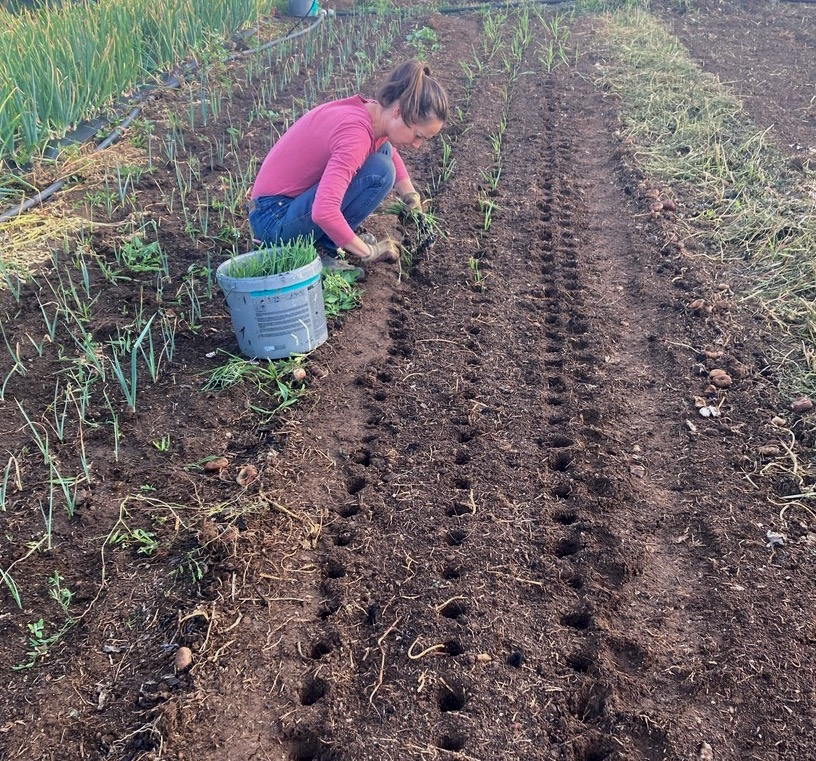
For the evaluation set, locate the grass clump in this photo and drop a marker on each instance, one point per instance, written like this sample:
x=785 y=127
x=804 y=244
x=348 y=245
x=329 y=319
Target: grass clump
x=742 y=200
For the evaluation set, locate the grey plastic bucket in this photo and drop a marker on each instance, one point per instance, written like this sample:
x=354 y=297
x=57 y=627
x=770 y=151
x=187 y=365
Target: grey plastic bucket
x=302 y=8
x=277 y=315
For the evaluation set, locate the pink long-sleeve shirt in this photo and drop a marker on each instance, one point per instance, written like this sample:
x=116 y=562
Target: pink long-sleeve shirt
x=327 y=145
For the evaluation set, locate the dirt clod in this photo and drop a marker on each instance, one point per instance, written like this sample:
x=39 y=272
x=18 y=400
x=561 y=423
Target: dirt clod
x=247 y=475
x=216 y=465
x=183 y=659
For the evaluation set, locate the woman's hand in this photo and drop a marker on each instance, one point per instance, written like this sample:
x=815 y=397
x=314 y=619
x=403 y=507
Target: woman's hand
x=370 y=249
x=385 y=250
x=412 y=201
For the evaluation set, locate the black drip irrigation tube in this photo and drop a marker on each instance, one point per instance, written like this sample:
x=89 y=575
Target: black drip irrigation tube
x=479 y=7
x=86 y=131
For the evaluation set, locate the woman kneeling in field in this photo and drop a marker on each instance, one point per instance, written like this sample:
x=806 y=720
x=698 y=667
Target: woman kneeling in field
x=335 y=165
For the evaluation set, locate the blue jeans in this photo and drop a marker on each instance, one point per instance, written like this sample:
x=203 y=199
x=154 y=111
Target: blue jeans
x=280 y=219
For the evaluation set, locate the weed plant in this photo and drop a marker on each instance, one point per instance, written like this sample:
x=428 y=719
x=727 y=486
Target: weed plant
x=339 y=295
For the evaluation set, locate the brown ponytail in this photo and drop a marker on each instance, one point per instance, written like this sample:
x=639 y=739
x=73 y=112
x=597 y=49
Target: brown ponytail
x=420 y=96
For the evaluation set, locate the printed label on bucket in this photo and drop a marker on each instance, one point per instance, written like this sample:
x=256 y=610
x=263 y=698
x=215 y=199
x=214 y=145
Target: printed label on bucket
x=274 y=321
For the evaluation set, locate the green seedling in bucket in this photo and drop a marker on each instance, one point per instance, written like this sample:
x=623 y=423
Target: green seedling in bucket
x=285 y=257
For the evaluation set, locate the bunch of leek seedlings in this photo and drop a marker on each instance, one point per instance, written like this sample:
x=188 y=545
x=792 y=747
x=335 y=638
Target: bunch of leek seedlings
x=283 y=257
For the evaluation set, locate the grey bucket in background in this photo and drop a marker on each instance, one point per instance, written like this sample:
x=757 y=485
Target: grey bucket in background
x=277 y=315
x=302 y=8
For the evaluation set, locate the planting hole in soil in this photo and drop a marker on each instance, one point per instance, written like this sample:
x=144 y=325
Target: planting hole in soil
x=329 y=607
x=451 y=742
x=451 y=697
x=576 y=582
x=458 y=509
x=313 y=690
x=454 y=609
x=355 y=485
x=311 y=750
x=567 y=546
x=462 y=457
x=563 y=490
x=565 y=518
x=320 y=649
x=343 y=539
x=561 y=461
x=455 y=537
x=581 y=661
x=579 y=619
x=335 y=569
x=363 y=457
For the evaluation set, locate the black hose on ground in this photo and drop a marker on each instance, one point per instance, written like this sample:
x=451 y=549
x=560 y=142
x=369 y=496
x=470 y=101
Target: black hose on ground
x=480 y=7
x=290 y=35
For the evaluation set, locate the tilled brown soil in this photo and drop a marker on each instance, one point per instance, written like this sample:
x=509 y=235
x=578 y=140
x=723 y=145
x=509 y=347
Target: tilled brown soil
x=764 y=55
x=498 y=528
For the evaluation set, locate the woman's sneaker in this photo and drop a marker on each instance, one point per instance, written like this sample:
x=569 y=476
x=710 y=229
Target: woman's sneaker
x=334 y=262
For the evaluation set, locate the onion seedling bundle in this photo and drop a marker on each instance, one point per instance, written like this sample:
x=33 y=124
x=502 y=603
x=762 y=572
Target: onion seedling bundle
x=284 y=257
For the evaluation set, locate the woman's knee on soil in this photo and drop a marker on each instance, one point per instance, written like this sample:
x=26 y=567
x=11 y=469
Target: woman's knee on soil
x=265 y=218
x=259 y=227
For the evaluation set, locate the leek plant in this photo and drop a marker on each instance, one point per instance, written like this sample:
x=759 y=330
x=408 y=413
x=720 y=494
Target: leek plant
x=12 y=281
x=12 y=587
x=68 y=486
x=68 y=63
x=40 y=438
x=10 y=479
x=114 y=421
x=129 y=384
